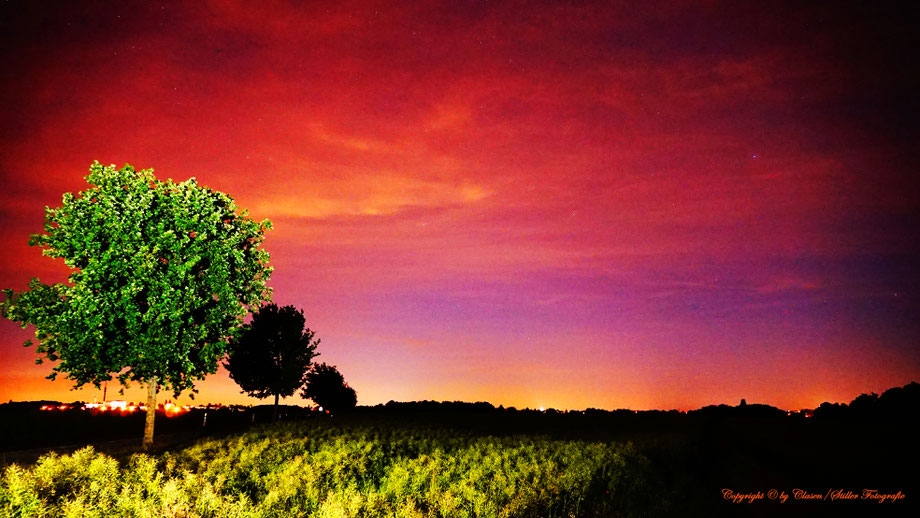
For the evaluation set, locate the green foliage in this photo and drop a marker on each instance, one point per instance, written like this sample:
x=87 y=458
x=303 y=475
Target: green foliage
x=317 y=469
x=272 y=355
x=162 y=273
x=327 y=388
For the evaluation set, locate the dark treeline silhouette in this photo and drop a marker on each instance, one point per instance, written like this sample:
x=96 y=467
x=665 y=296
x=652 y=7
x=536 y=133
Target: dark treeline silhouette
x=436 y=406
x=894 y=403
x=753 y=410
x=33 y=405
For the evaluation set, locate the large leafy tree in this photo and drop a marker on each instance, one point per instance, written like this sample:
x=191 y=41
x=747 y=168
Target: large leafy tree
x=327 y=388
x=273 y=354
x=163 y=273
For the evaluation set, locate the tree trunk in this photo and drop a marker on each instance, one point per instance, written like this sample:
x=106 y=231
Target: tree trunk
x=275 y=410
x=151 y=412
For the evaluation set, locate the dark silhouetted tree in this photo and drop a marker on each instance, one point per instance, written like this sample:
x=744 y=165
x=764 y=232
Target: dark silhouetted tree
x=831 y=410
x=162 y=273
x=901 y=401
x=865 y=405
x=273 y=354
x=327 y=388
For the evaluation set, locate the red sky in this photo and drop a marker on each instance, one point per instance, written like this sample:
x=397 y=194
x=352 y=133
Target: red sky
x=565 y=205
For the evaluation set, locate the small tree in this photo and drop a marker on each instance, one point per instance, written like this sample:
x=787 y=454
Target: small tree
x=162 y=274
x=273 y=354
x=327 y=388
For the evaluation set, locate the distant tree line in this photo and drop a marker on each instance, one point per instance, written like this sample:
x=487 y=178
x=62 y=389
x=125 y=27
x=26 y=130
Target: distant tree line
x=897 y=402
x=893 y=403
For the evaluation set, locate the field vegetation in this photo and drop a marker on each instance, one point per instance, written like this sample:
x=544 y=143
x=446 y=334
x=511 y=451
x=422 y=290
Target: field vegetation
x=319 y=468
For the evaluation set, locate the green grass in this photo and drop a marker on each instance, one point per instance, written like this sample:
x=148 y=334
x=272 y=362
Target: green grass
x=323 y=469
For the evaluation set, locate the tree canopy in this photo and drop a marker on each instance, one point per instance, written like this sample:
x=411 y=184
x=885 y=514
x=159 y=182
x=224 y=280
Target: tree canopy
x=162 y=274
x=273 y=353
x=327 y=388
